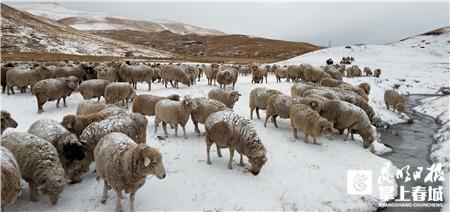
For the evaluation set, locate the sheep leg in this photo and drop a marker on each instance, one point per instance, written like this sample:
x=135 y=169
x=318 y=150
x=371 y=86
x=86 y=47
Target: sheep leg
x=315 y=140
x=118 y=201
x=196 y=127
x=123 y=102
x=306 y=138
x=126 y=103
x=132 y=195
x=156 y=125
x=176 y=130
x=105 y=193
x=39 y=103
x=294 y=130
x=64 y=101
x=219 y=153
x=346 y=136
x=184 y=131
x=257 y=113
x=251 y=112
x=230 y=166
x=57 y=102
x=208 y=148
x=149 y=85
x=33 y=192
x=268 y=115
x=164 y=125
x=241 y=161
x=274 y=120
x=98 y=99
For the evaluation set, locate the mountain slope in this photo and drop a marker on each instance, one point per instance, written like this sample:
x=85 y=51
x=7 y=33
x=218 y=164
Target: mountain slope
x=232 y=46
x=83 y=20
x=23 y=32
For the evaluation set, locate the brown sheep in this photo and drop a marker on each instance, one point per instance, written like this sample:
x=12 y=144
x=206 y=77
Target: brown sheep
x=258 y=74
x=54 y=89
x=365 y=87
x=310 y=122
x=367 y=71
x=145 y=103
x=329 y=82
x=77 y=123
x=377 y=73
x=398 y=102
x=226 y=77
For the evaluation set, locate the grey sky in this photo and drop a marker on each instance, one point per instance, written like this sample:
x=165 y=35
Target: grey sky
x=342 y=23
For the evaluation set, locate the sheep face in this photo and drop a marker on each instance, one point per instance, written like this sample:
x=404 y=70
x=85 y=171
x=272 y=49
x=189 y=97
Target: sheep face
x=400 y=107
x=152 y=161
x=72 y=82
x=325 y=127
x=369 y=138
x=53 y=186
x=189 y=103
x=69 y=122
x=235 y=96
x=7 y=121
x=258 y=162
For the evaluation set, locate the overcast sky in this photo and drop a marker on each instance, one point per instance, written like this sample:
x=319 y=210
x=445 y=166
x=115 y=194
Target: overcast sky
x=317 y=23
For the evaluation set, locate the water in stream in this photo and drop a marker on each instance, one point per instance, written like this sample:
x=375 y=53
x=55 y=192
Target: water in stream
x=411 y=144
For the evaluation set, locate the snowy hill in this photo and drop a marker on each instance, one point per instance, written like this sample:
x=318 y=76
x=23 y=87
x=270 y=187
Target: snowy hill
x=23 y=32
x=83 y=20
x=418 y=65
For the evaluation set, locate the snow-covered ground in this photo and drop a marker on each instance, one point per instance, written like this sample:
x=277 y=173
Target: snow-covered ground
x=296 y=176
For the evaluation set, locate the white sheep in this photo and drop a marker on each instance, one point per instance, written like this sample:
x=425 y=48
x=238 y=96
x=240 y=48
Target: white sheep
x=54 y=89
x=70 y=150
x=86 y=107
x=344 y=115
x=39 y=164
x=173 y=113
x=205 y=107
x=229 y=98
x=136 y=73
x=11 y=177
x=133 y=125
x=227 y=76
x=93 y=88
x=229 y=130
x=398 y=102
x=309 y=121
x=124 y=166
x=119 y=91
x=259 y=98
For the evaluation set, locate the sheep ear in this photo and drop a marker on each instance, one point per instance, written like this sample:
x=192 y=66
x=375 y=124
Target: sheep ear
x=313 y=104
x=146 y=161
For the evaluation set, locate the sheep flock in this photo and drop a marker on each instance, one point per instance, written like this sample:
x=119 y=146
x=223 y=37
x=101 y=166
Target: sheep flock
x=104 y=132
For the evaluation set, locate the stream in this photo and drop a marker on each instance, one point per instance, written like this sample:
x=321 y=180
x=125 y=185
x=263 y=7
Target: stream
x=411 y=146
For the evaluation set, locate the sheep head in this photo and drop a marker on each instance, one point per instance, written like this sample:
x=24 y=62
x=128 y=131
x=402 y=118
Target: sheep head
x=324 y=127
x=7 y=121
x=52 y=185
x=69 y=122
x=72 y=82
x=400 y=107
x=257 y=161
x=150 y=161
x=189 y=103
x=235 y=96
